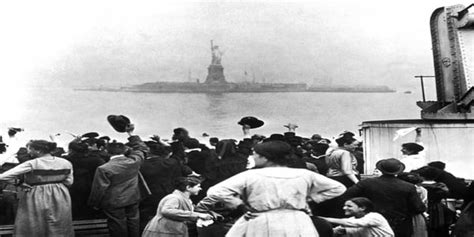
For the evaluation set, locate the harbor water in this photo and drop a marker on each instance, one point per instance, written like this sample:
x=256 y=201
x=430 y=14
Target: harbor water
x=43 y=112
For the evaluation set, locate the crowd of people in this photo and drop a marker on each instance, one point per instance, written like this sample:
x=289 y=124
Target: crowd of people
x=277 y=185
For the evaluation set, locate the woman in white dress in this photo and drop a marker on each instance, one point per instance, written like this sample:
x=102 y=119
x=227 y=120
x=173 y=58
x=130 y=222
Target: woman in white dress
x=44 y=208
x=275 y=196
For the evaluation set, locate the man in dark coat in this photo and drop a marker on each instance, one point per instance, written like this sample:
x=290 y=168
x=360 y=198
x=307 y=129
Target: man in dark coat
x=394 y=198
x=457 y=186
x=160 y=170
x=116 y=188
x=84 y=166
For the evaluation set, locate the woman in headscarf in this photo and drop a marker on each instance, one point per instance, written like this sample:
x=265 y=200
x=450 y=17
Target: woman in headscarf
x=275 y=195
x=44 y=208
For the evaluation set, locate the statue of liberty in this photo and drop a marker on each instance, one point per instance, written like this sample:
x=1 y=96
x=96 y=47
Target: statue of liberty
x=216 y=54
x=215 y=70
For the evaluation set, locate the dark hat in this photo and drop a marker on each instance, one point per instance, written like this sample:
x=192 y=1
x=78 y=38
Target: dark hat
x=412 y=146
x=251 y=121
x=90 y=135
x=118 y=122
x=390 y=166
x=78 y=147
x=347 y=134
x=180 y=134
x=104 y=138
x=276 y=151
x=213 y=140
x=275 y=137
x=438 y=164
x=13 y=131
x=179 y=130
x=316 y=137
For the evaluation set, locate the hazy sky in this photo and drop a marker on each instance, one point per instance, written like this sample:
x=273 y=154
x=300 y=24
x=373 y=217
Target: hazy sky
x=116 y=43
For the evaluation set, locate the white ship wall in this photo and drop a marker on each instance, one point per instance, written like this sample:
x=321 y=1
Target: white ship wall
x=450 y=142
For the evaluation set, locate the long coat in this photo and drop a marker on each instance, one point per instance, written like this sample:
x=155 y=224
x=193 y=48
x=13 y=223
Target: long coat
x=84 y=167
x=160 y=174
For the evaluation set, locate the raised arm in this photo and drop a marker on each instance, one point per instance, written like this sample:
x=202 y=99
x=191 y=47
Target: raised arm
x=139 y=148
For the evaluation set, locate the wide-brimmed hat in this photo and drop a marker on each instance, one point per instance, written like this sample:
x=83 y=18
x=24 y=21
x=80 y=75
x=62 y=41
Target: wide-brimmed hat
x=390 y=166
x=251 y=121
x=412 y=146
x=118 y=122
x=275 y=137
x=90 y=135
x=13 y=131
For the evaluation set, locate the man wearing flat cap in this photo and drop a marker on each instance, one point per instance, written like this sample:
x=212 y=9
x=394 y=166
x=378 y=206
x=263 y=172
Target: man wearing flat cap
x=394 y=198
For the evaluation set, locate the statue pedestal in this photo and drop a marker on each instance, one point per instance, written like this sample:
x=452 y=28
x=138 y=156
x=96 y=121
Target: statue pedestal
x=215 y=74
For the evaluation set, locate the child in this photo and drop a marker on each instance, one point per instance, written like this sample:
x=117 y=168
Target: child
x=363 y=222
x=175 y=210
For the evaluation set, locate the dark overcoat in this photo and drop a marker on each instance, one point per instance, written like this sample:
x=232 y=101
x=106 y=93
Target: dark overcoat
x=394 y=198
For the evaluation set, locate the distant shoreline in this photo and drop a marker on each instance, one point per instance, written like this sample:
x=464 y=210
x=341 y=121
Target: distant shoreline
x=167 y=87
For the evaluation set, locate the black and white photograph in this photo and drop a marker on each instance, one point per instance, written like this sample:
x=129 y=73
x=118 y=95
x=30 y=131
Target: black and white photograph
x=237 y=118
